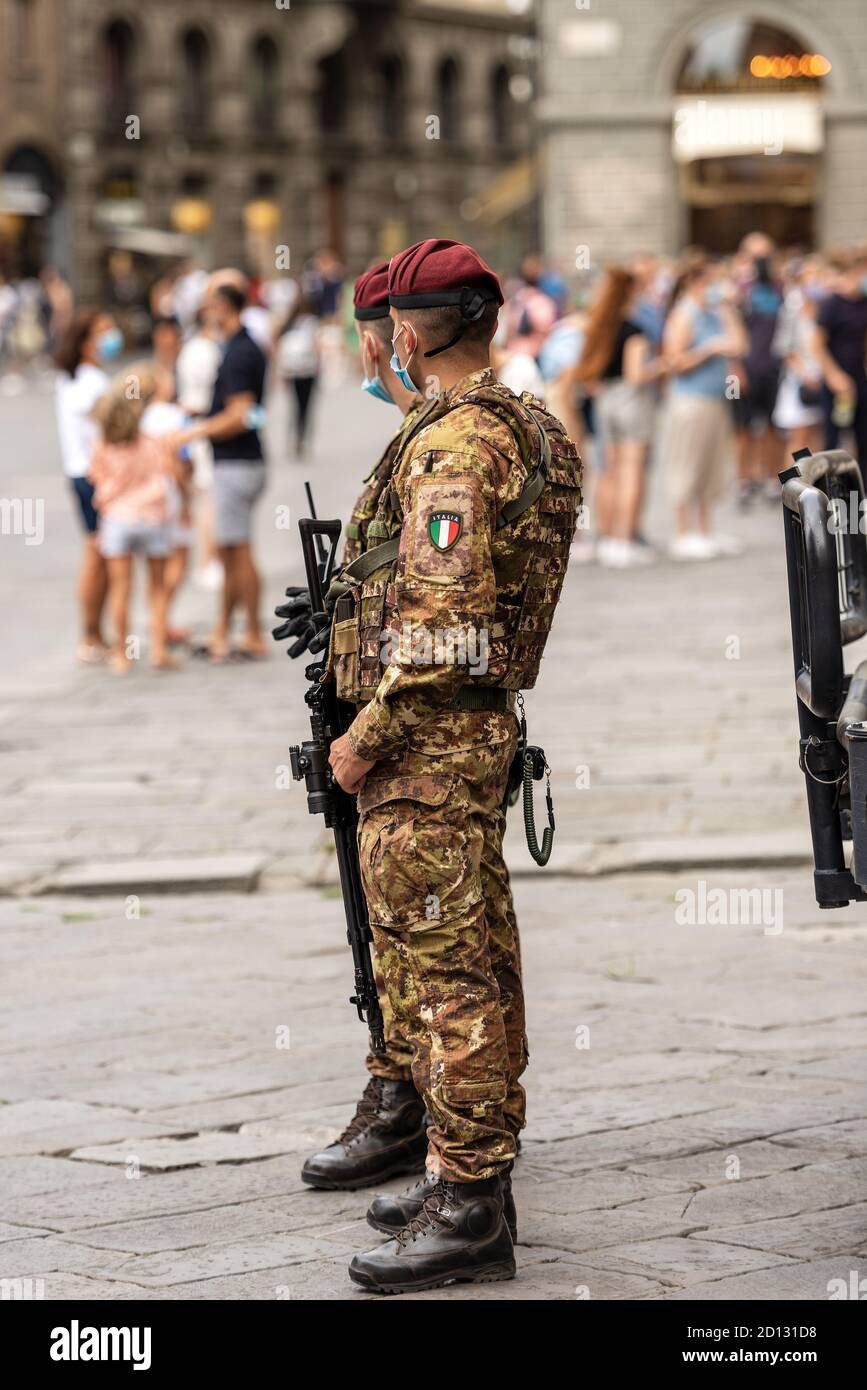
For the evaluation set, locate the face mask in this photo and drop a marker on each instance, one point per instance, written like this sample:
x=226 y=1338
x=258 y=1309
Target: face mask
x=374 y=387
x=109 y=344
x=400 y=372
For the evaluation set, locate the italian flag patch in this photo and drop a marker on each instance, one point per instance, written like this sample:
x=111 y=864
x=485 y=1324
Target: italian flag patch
x=444 y=528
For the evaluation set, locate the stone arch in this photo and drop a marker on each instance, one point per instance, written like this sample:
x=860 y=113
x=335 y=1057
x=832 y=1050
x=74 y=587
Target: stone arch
x=663 y=59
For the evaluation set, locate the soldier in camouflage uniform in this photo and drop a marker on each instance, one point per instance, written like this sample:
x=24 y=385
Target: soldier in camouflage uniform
x=386 y=1135
x=433 y=636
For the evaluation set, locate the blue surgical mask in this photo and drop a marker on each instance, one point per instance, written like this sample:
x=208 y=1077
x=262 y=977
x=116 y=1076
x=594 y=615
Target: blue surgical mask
x=400 y=372
x=374 y=387
x=109 y=344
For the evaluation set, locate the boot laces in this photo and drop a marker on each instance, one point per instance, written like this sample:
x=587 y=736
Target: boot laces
x=366 y=1112
x=436 y=1210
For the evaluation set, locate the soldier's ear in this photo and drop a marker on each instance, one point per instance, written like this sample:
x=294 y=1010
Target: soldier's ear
x=410 y=338
x=365 y=338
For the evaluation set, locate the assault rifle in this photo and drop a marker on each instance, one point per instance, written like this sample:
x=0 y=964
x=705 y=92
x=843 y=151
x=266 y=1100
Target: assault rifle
x=329 y=718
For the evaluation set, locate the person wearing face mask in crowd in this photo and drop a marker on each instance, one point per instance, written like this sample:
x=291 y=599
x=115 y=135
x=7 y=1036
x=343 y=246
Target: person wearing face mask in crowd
x=702 y=333
x=374 y=326
x=232 y=426
x=760 y=302
x=840 y=343
x=91 y=344
x=798 y=410
x=472 y=541
x=388 y=1138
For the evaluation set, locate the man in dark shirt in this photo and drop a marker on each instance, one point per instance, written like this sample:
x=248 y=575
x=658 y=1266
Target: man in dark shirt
x=239 y=467
x=841 y=345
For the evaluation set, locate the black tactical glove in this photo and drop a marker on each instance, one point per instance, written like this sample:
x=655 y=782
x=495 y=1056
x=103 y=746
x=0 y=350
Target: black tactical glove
x=308 y=628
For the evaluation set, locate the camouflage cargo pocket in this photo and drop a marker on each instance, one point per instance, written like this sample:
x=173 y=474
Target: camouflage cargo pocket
x=420 y=866
x=371 y=620
x=344 y=649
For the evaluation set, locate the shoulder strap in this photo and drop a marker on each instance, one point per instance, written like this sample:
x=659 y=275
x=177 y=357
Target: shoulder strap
x=535 y=483
x=362 y=567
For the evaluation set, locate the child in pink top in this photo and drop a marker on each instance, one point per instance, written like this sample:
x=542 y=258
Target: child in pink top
x=131 y=474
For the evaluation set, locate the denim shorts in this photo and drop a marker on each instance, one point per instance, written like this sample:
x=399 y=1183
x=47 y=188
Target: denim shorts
x=84 y=491
x=150 y=538
x=237 y=487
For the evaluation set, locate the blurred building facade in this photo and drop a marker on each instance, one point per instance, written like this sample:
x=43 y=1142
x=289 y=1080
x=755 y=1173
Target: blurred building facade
x=226 y=129
x=690 y=121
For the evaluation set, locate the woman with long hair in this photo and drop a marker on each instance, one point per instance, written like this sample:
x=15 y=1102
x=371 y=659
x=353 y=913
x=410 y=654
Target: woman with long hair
x=702 y=333
x=617 y=367
x=90 y=343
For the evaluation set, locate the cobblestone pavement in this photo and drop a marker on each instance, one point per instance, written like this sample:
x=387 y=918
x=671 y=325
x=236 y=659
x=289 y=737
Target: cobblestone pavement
x=698 y=1117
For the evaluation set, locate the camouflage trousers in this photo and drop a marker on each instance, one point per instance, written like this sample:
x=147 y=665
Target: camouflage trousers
x=445 y=936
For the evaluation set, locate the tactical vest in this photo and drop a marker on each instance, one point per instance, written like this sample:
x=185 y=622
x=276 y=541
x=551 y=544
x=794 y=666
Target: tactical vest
x=364 y=511
x=530 y=554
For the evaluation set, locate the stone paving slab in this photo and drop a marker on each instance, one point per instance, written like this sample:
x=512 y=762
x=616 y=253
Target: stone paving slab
x=684 y=1262
x=806 y=1281
x=805 y=1235
x=231 y=873
x=164 y=1154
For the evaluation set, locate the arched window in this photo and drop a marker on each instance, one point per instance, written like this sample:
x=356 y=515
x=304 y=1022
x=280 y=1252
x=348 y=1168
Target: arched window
x=743 y=55
x=264 y=83
x=501 y=105
x=196 y=82
x=332 y=94
x=448 y=99
x=118 y=66
x=391 y=105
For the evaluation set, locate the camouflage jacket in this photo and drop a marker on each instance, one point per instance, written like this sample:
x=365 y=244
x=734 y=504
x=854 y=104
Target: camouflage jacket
x=472 y=593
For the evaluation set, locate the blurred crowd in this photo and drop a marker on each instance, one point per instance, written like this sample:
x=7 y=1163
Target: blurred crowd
x=165 y=455
x=712 y=371
x=715 y=371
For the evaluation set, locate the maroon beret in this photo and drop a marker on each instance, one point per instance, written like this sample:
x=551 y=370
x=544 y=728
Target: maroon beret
x=371 y=293
x=434 y=273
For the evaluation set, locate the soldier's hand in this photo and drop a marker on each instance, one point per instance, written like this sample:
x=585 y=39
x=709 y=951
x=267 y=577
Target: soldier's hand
x=350 y=771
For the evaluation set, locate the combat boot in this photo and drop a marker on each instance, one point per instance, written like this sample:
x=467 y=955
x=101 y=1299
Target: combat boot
x=385 y=1137
x=459 y=1236
x=390 y=1212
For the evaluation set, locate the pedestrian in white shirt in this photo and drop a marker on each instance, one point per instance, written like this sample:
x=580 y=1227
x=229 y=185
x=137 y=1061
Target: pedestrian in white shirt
x=196 y=372
x=297 y=360
x=91 y=343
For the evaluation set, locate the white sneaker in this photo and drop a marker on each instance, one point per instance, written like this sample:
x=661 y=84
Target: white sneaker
x=726 y=545
x=639 y=554
x=692 y=546
x=612 y=553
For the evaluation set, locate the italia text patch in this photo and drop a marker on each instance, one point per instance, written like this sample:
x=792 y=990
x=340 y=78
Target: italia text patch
x=444 y=529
